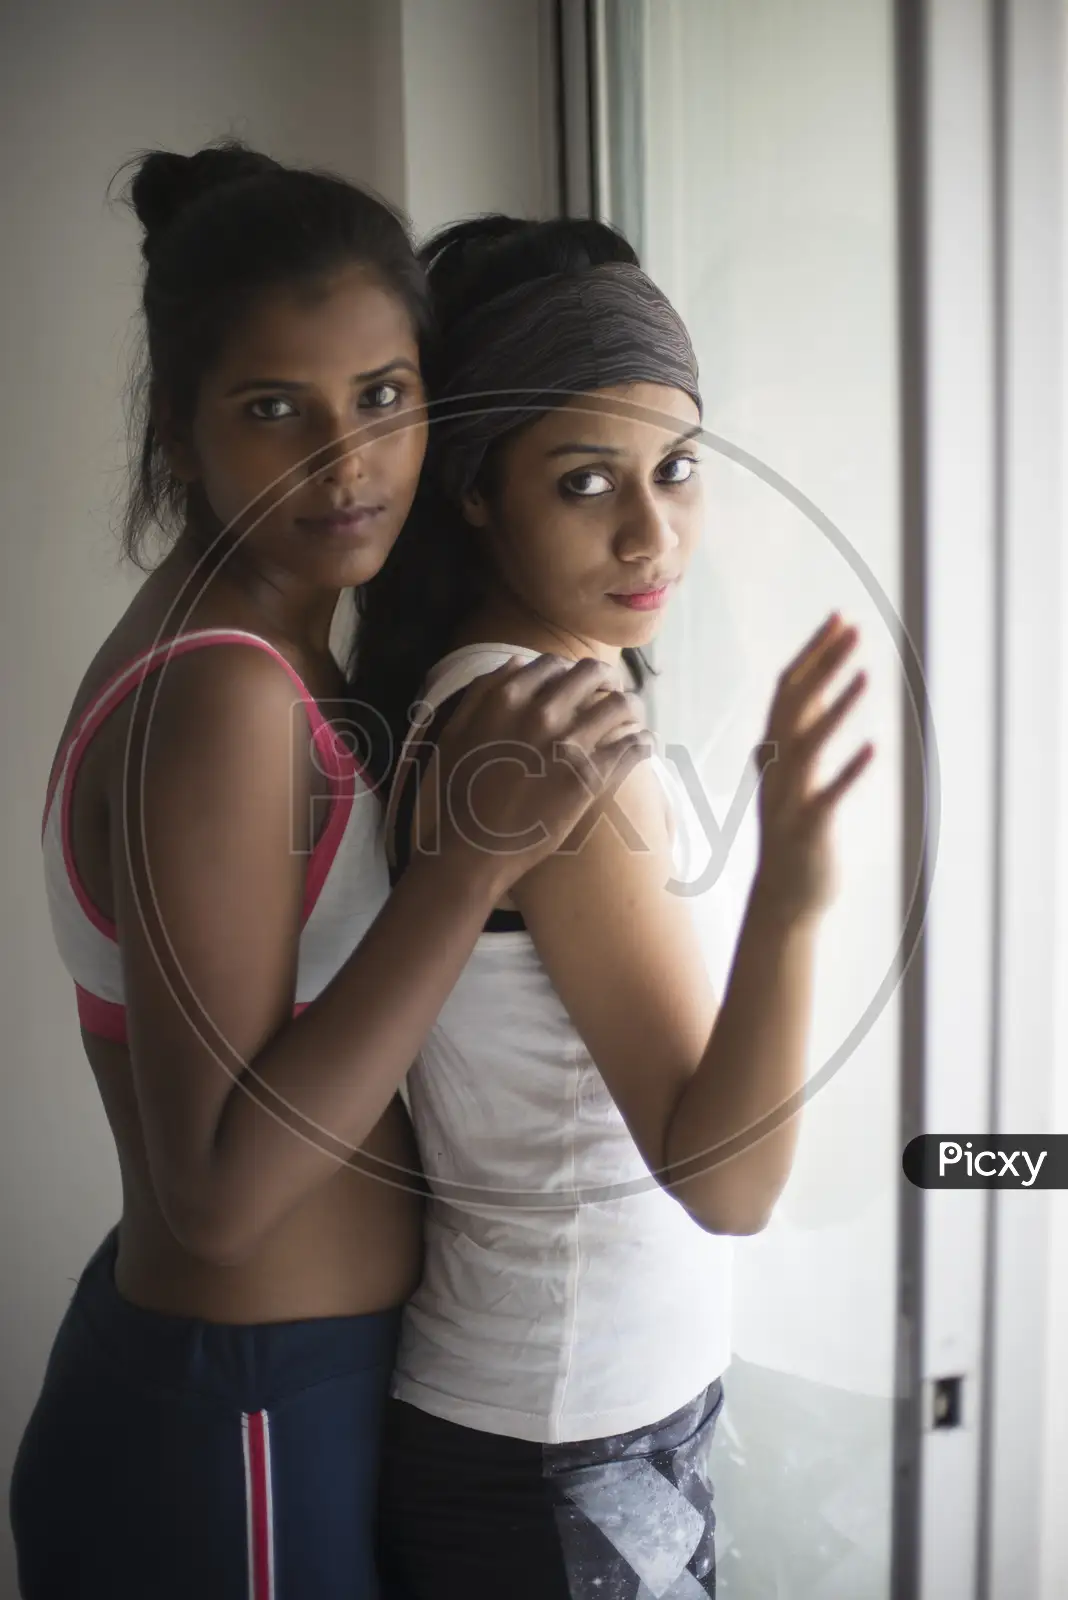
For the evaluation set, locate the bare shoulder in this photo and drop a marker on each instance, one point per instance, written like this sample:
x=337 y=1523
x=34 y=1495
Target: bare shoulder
x=631 y=815
x=226 y=719
x=621 y=848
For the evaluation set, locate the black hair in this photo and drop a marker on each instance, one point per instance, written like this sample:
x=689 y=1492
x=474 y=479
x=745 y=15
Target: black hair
x=435 y=575
x=220 y=227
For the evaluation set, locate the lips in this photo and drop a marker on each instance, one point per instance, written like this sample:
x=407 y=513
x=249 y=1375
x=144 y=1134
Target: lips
x=351 y=520
x=643 y=599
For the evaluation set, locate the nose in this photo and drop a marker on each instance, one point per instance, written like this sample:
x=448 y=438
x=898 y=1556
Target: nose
x=645 y=534
x=339 y=459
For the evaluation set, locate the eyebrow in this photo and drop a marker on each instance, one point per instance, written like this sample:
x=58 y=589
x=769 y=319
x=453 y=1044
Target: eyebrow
x=287 y=386
x=574 y=448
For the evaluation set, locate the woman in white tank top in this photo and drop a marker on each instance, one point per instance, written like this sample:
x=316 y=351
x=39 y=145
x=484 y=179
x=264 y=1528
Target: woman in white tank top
x=594 y=1128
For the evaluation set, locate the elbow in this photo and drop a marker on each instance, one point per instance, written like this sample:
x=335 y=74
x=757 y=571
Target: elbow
x=745 y=1225
x=733 y=1216
x=211 y=1233
x=733 y=1200
x=732 y=1224
x=210 y=1241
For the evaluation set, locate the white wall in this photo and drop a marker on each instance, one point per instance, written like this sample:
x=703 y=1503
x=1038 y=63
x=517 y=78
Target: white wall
x=478 y=102
x=458 y=119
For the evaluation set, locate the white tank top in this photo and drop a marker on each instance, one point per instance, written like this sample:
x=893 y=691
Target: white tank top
x=565 y=1296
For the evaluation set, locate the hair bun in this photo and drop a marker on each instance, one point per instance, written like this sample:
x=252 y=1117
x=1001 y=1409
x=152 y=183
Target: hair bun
x=473 y=262
x=165 y=182
x=461 y=243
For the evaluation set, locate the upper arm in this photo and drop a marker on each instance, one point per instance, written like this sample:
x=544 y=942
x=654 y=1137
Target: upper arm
x=623 y=956
x=208 y=874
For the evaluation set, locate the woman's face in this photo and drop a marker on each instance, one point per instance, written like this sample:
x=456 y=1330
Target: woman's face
x=310 y=430
x=595 y=511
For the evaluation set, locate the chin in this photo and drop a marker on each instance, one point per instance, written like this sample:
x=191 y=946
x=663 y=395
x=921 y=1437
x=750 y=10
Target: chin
x=358 y=568
x=346 y=565
x=631 y=632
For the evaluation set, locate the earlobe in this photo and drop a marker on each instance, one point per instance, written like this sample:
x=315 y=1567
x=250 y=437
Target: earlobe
x=177 y=449
x=475 y=509
x=182 y=464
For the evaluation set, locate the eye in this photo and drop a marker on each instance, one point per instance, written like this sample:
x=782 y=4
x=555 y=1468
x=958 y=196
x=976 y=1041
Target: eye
x=380 y=397
x=586 y=484
x=271 y=408
x=687 y=466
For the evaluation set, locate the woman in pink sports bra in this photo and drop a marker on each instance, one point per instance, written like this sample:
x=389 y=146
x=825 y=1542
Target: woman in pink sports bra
x=249 y=1000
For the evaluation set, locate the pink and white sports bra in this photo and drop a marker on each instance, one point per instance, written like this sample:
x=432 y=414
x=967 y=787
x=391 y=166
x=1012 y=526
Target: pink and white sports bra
x=347 y=882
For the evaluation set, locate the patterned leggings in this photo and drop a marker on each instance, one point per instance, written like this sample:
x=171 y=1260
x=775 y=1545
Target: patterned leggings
x=467 y=1515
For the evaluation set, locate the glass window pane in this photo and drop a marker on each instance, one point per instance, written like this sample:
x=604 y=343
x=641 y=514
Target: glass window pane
x=764 y=204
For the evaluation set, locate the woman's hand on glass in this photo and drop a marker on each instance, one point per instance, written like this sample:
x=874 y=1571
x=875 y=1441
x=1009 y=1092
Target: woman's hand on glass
x=796 y=874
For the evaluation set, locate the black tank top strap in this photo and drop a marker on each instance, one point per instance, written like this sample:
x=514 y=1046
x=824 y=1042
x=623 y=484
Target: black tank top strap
x=415 y=767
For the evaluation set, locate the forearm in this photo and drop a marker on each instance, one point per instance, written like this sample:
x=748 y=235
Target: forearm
x=733 y=1133
x=312 y=1096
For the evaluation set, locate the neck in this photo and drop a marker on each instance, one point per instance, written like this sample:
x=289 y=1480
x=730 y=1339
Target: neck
x=274 y=602
x=503 y=619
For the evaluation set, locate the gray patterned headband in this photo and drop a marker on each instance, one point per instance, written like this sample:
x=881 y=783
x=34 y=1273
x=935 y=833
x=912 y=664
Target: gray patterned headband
x=537 y=346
